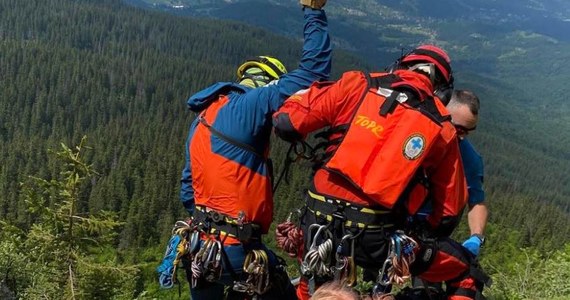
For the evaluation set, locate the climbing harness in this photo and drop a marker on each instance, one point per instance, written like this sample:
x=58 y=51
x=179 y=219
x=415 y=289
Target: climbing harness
x=213 y=222
x=351 y=214
x=207 y=263
x=327 y=256
x=210 y=259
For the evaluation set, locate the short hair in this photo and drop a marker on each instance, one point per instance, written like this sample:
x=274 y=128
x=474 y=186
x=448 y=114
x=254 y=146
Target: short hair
x=464 y=97
x=334 y=291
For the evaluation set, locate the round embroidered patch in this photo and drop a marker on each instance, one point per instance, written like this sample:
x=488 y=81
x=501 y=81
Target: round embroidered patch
x=414 y=146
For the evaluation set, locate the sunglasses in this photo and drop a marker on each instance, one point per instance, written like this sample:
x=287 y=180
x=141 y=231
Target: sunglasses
x=462 y=129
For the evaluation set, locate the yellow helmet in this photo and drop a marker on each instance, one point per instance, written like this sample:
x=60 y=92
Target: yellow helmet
x=271 y=65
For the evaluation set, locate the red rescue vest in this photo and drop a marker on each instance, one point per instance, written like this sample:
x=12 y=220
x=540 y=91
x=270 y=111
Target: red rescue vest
x=387 y=139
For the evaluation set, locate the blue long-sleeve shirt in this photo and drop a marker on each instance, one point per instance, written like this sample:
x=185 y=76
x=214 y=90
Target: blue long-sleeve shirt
x=246 y=117
x=473 y=169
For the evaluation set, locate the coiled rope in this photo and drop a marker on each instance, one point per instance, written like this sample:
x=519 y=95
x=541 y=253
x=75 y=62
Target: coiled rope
x=289 y=237
x=317 y=261
x=402 y=255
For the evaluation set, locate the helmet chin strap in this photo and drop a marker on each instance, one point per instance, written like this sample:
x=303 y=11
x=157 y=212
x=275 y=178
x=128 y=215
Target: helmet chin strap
x=253 y=81
x=254 y=78
x=249 y=82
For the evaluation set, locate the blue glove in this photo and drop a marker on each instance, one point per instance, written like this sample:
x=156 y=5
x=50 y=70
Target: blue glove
x=473 y=244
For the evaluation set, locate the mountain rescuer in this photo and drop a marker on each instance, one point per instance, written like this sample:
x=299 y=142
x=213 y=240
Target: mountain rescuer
x=226 y=182
x=464 y=110
x=391 y=147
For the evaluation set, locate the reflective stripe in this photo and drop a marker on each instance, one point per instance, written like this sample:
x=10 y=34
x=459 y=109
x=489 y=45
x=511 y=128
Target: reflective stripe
x=359 y=208
x=348 y=213
x=350 y=223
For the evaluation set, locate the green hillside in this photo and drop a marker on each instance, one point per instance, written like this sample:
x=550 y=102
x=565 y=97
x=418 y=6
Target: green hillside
x=512 y=54
x=121 y=76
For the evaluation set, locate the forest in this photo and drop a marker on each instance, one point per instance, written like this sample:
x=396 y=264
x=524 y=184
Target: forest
x=92 y=129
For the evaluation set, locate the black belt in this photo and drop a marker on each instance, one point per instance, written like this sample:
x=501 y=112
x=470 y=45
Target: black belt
x=216 y=222
x=351 y=214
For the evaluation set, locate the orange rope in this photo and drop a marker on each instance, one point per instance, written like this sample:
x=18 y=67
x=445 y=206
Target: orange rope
x=399 y=273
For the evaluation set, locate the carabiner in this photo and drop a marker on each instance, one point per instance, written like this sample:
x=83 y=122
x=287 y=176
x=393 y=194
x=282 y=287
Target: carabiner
x=382 y=277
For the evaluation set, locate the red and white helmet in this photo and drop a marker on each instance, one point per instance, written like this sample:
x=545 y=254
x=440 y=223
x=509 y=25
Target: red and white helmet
x=431 y=54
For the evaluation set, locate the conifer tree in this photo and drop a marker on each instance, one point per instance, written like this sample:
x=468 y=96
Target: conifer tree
x=65 y=254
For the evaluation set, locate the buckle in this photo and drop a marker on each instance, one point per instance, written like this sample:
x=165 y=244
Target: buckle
x=215 y=216
x=244 y=233
x=339 y=213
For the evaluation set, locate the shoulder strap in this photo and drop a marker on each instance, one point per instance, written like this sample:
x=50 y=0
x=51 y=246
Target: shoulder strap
x=228 y=139
x=385 y=85
x=400 y=91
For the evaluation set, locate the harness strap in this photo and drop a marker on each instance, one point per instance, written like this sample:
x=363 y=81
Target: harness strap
x=285 y=171
x=391 y=99
x=425 y=257
x=230 y=140
x=403 y=92
x=332 y=130
x=217 y=222
x=479 y=275
x=351 y=214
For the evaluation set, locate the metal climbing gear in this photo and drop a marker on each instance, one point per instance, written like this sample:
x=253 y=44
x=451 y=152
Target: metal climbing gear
x=345 y=268
x=197 y=265
x=317 y=261
x=212 y=263
x=396 y=267
x=318 y=258
x=383 y=285
x=256 y=266
x=207 y=262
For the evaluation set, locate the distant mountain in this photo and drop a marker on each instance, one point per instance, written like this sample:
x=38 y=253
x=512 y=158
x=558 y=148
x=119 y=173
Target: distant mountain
x=548 y=17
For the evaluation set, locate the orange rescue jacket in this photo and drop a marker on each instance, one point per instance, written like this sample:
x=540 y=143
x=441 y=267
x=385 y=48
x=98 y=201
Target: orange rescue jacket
x=396 y=144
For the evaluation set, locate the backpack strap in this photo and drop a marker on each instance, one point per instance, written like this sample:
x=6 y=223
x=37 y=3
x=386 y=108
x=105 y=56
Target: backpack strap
x=392 y=98
x=398 y=91
x=228 y=139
